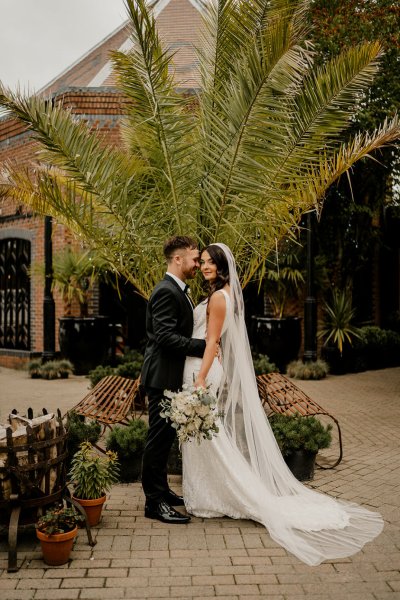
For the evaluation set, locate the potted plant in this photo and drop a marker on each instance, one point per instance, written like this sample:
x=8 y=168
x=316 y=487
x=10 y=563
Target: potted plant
x=83 y=340
x=56 y=531
x=299 y=439
x=128 y=442
x=277 y=333
x=92 y=477
x=338 y=331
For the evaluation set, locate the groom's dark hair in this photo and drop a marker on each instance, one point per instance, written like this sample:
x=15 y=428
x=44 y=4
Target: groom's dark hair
x=178 y=242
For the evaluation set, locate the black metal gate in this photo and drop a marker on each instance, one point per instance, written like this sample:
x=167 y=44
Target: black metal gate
x=15 y=260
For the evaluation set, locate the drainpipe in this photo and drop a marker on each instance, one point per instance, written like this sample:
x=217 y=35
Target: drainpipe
x=49 y=313
x=310 y=304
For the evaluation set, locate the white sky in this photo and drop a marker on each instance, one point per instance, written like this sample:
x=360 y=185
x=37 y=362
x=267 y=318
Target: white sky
x=41 y=38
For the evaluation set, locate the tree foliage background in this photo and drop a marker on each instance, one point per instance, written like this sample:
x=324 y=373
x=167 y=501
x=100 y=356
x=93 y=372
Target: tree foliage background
x=351 y=225
x=259 y=146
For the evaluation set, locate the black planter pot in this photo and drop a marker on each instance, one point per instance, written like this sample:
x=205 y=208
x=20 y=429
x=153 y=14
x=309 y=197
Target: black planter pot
x=279 y=339
x=131 y=469
x=351 y=360
x=302 y=464
x=174 y=466
x=84 y=341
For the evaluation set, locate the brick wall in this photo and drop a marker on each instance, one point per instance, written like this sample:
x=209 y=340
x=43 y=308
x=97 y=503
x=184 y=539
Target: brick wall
x=102 y=109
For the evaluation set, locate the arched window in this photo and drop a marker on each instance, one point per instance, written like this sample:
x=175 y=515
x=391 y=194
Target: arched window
x=15 y=259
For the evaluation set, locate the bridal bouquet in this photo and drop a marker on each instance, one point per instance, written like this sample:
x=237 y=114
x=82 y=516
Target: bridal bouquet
x=192 y=412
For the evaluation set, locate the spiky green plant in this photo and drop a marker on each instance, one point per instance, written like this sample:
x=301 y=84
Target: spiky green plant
x=339 y=314
x=259 y=145
x=93 y=475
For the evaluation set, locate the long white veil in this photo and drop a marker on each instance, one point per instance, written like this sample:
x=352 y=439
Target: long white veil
x=311 y=525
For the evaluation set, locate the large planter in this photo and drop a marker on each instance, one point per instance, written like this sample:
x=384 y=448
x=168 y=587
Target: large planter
x=174 y=466
x=93 y=508
x=279 y=339
x=84 y=341
x=131 y=469
x=57 y=547
x=302 y=464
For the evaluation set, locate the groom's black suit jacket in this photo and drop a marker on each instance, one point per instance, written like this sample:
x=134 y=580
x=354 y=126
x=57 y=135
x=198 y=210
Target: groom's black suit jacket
x=169 y=326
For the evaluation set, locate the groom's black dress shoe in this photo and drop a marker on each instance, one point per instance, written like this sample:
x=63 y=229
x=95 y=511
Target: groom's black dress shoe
x=165 y=513
x=173 y=499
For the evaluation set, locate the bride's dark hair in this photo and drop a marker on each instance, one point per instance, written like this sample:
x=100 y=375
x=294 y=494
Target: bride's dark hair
x=219 y=258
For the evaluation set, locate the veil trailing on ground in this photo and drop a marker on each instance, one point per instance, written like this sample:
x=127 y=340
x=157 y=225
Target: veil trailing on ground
x=311 y=525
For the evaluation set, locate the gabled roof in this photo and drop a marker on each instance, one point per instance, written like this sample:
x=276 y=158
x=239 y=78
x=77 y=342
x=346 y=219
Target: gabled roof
x=178 y=23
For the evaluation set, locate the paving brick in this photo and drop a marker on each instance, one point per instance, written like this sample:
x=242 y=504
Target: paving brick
x=139 y=581
x=19 y=595
x=250 y=590
x=102 y=594
x=81 y=583
x=232 y=570
x=203 y=591
x=236 y=559
x=8 y=584
x=213 y=580
x=62 y=594
x=63 y=572
x=27 y=584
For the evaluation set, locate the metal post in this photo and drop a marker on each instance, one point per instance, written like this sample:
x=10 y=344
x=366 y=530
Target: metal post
x=310 y=304
x=49 y=313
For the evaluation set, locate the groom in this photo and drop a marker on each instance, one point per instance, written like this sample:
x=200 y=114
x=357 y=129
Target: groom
x=169 y=325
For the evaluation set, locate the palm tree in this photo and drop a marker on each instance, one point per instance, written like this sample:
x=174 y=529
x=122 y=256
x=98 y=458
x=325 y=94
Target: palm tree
x=239 y=163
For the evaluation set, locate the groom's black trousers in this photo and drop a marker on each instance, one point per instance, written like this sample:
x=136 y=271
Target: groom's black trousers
x=160 y=438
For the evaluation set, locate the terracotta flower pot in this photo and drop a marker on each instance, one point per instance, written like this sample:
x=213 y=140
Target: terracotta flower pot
x=57 y=547
x=93 y=508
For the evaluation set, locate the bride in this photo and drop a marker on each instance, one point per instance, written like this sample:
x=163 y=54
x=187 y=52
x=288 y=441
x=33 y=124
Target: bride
x=240 y=473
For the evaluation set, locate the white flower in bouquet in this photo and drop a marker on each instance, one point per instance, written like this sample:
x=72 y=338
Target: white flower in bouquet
x=192 y=412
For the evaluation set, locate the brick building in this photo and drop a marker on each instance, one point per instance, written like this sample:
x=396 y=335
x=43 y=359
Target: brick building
x=87 y=88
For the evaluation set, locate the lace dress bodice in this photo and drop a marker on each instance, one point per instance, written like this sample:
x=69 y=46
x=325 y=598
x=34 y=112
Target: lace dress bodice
x=192 y=364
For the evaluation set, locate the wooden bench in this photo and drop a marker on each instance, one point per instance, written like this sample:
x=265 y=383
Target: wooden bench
x=280 y=395
x=113 y=400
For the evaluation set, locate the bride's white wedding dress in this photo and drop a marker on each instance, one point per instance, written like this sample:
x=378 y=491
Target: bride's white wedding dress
x=241 y=473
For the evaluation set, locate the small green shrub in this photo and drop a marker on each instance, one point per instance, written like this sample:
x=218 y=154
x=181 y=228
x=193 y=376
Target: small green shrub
x=95 y=375
x=131 y=356
x=263 y=366
x=130 y=365
x=65 y=368
x=50 y=370
x=80 y=430
x=131 y=370
x=309 y=370
x=34 y=367
x=300 y=433
x=58 y=520
x=128 y=442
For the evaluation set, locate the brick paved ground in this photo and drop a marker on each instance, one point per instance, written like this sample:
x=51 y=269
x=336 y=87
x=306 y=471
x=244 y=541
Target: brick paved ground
x=236 y=560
